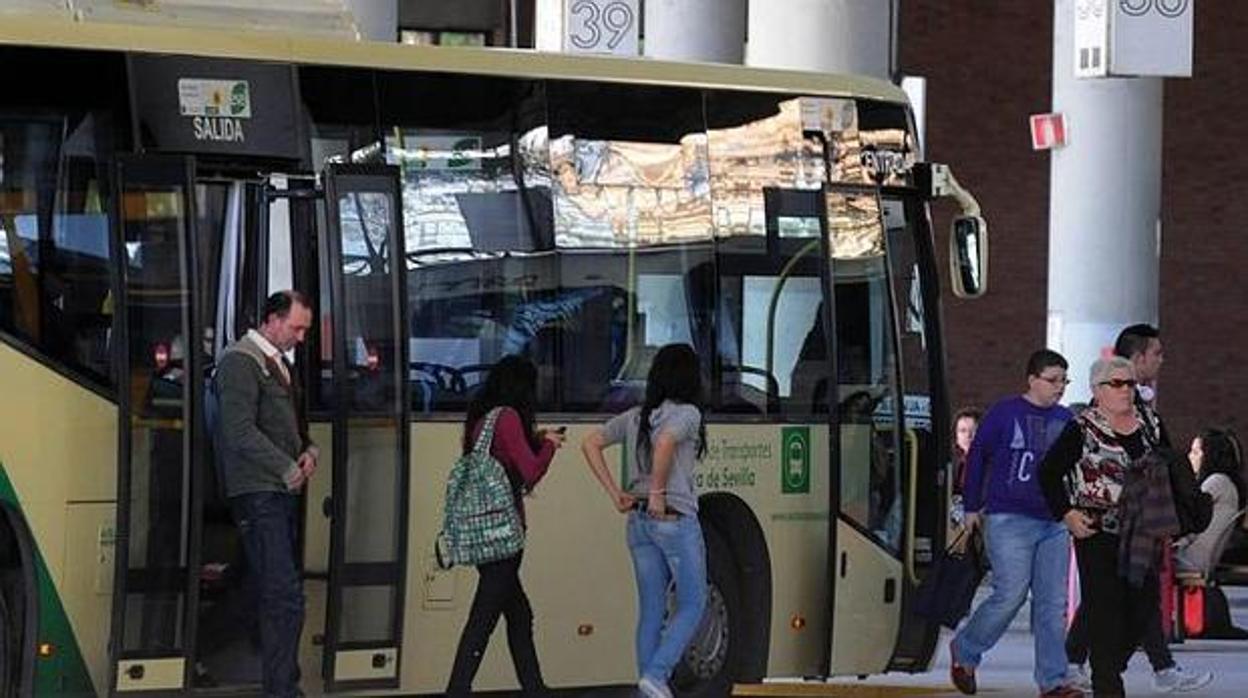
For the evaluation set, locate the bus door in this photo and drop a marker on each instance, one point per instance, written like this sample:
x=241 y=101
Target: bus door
x=369 y=407
x=925 y=446
x=158 y=443
x=871 y=512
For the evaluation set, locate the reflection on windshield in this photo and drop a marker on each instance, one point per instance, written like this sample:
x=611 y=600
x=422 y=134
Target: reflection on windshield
x=770 y=151
x=460 y=191
x=365 y=225
x=615 y=193
x=854 y=221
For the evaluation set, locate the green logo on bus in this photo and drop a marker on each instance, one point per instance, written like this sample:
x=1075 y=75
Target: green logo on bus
x=795 y=460
x=240 y=99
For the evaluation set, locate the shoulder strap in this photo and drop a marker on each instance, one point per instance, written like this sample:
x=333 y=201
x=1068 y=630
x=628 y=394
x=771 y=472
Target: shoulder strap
x=1150 y=421
x=486 y=436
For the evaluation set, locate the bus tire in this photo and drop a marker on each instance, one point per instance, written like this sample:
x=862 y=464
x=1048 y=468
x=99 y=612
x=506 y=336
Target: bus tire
x=736 y=523
x=17 y=640
x=7 y=655
x=705 y=671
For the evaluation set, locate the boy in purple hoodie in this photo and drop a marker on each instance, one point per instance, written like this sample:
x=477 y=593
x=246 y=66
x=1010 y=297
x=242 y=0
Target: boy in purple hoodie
x=1028 y=549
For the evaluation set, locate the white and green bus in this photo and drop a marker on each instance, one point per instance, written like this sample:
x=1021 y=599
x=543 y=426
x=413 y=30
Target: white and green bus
x=446 y=207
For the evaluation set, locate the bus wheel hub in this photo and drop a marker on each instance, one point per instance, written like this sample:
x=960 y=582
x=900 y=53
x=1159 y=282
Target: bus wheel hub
x=708 y=651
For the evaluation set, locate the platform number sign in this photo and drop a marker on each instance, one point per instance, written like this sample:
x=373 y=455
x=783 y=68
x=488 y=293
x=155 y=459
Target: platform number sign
x=1165 y=8
x=1133 y=38
x=603 y=26
x=795 y=460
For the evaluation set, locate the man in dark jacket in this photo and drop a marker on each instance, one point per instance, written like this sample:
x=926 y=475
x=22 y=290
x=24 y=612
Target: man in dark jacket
x=266 y=459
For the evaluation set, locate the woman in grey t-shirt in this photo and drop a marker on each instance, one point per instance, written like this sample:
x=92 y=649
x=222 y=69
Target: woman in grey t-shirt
x=664 y=438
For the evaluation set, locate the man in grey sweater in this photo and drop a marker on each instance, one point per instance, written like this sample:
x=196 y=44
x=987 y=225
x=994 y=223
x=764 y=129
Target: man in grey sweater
x=266 y=457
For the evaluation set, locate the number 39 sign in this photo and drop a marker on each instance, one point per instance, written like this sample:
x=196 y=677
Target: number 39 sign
x=602 y=26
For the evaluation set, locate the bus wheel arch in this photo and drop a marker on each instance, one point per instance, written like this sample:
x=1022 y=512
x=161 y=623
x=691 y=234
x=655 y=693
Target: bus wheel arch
x=17 y=604
x=734 y=521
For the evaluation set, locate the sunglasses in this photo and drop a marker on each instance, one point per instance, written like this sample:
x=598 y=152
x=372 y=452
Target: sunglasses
x=1118 y=383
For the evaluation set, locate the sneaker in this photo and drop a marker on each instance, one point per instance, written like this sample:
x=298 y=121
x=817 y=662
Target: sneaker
x=653 y=689
x=963 y=677
x=1077 y=675
x=1176 y=679
x=1066 y=691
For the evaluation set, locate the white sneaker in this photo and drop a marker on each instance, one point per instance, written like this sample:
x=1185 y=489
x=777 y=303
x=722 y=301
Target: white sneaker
x=1176 y=679
x=1077 y=675
x=653 y=689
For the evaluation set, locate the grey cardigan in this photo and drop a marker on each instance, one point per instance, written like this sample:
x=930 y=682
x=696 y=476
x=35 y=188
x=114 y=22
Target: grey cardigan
x=1196 y=552
x=260 y=431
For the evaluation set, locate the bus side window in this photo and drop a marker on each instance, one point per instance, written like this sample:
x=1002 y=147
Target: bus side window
x=473 y=158
x=632 y=223
x=55 y=264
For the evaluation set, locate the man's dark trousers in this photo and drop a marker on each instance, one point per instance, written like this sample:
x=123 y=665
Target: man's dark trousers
x=267 y=521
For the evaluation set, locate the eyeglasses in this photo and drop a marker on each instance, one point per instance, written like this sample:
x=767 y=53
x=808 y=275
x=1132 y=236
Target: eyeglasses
x=1055 y=380
x=1118 y=383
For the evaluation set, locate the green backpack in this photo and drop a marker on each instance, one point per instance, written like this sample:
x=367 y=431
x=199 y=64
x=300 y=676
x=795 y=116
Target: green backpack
x=480 y=521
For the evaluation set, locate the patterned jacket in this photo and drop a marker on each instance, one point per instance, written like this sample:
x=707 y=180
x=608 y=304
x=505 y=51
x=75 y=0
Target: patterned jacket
x=1097 y=480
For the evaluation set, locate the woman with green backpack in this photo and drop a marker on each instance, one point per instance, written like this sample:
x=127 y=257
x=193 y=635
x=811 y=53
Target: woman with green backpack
x=505 y=405
x=666 y=436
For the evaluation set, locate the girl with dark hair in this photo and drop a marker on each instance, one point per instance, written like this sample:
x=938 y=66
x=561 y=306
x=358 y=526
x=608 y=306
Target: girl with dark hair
x=1217 y=459
x=965 y=422
x=525 y=452
x=668 y=436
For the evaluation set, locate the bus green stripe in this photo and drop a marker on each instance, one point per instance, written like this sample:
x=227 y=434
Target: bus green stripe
x=65 y=672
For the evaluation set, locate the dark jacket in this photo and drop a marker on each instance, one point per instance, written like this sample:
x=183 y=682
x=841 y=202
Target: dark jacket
x=261 y=432
x=1193 y=505
x=1146 y=516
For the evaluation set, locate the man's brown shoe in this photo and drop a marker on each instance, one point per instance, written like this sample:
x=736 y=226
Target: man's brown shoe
x=963 y=677
x=1062 y=692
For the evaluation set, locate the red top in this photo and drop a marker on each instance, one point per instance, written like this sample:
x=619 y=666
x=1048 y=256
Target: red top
x=511 y=448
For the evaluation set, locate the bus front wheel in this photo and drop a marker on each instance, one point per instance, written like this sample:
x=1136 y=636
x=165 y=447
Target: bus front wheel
x=736 y=523
x=8 y=658
x=705 y=670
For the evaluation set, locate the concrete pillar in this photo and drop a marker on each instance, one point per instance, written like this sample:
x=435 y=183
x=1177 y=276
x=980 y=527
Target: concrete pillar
x=377 y=21
x=695 y=30
x=1104 y=207
x=836 y=36
x=548 y=25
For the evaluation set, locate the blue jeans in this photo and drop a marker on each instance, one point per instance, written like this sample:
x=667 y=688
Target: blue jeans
x=268 y=524
x=1025 y=553
x=664 y=551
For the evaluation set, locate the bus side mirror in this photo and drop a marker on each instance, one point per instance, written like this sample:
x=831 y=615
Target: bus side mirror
x=968 y=256
x=968 y=237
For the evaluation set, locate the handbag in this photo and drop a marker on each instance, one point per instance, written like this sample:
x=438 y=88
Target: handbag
x=945 y=595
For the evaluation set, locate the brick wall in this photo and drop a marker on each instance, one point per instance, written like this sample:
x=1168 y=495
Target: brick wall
x=988 y=67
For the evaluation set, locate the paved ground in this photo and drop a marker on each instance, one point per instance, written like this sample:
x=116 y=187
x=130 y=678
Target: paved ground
x=1006 y=670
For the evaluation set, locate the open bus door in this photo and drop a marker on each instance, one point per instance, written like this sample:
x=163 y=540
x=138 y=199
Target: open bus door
x=369 y=404
x=860 y=386
x=847 y=369
x=158 y=443
x=924 y=445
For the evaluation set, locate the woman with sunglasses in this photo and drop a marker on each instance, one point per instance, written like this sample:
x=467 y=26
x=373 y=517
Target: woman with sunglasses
x=1082 y=476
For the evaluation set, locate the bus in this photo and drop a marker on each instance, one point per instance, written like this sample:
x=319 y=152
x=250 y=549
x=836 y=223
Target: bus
x=444 y=207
